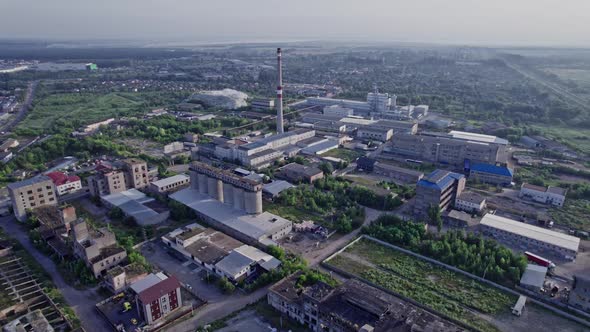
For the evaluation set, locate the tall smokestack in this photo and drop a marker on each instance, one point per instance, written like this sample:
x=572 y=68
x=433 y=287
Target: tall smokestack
x=280 y=128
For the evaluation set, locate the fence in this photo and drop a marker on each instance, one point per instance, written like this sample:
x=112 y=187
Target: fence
x=454 y=269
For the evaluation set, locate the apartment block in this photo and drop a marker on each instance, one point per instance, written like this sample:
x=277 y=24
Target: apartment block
x=31 y=194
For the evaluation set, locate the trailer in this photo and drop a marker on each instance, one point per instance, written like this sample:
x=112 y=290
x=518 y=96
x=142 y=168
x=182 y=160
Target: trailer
x=539 y=260
x=519 y=306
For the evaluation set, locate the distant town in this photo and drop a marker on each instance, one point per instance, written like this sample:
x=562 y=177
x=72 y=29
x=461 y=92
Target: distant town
x=250 y=188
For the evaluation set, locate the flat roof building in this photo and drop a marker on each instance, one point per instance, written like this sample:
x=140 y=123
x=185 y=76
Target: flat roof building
x=398 y=174
x=550 y=195
x=300 y=173
x=440 y=188
x=447 y=149
x=529 y=236
x=492 y=174
x=170 y=184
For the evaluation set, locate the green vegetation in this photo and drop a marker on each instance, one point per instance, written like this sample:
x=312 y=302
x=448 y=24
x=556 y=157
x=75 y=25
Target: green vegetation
x=344 y=154
x=226 y=286
x=485 y=258
x=54 y=111
x=404 y=191
x=442 y=290
x=575 y=213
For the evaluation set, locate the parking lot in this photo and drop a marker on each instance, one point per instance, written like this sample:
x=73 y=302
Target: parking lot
x=187 y=272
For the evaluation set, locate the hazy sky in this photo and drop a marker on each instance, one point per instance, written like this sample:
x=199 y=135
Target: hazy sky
x=547 y=22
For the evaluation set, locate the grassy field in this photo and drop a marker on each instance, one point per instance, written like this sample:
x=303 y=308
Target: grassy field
x=85 y=107
x=444 y=291
x=575 y=214
x=292 y=213
x=344 y=154
x=577 y=138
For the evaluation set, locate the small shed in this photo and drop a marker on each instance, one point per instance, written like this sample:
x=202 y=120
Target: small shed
x=533 y=277
x=519 y=306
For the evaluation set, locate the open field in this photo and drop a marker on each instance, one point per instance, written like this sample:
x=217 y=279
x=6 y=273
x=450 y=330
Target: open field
x=344 y=154
x=293 y=213
x=575 y=213
x=577 y=138
x=86 y=108
x=478 y=305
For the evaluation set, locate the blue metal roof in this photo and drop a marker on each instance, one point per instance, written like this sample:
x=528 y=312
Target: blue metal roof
x=439 y=179
x=492 y=169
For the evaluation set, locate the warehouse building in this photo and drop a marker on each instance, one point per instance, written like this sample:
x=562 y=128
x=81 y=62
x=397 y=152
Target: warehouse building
x=170 y=184
x=440 y=188
x=530 y=237
x=372 y=133
x=492 y=174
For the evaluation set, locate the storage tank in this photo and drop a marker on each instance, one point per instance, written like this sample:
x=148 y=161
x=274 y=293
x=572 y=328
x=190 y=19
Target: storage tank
x=253 y=202
x=194 y=180
x=238 y=198
x=203 y=189
x=219 y=190
x=212 y=187
x=228 y=194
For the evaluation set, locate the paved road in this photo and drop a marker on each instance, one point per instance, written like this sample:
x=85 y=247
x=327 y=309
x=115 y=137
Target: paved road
x=317 y=256
x=81 y=301
x=219 y=304
x=22 y=112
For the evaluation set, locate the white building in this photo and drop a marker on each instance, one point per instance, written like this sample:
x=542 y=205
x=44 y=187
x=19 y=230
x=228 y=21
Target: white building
x=528 y=237
x=550 y=195
x=470 y=202
x=244 y=261
x=170 y=184
x=65 y=184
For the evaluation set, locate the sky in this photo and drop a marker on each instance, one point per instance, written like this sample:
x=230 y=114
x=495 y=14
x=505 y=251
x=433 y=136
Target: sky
x=492 y=22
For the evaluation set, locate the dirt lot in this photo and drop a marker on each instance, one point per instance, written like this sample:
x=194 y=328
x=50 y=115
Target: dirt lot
x=535 y=318
x=246 y=320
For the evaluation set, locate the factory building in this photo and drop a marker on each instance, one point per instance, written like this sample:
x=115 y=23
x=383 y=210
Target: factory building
x=65 y=184
x=337 y=110
x=492 y=174
x=231 y=204
x=156 y=296
x=106 y=181
x=357 y=106
x=454 y=149
x=372 y=133
x=241 y=193
x=440 y=188
x=31 y=194
x=529 y=237
x=550 y=195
